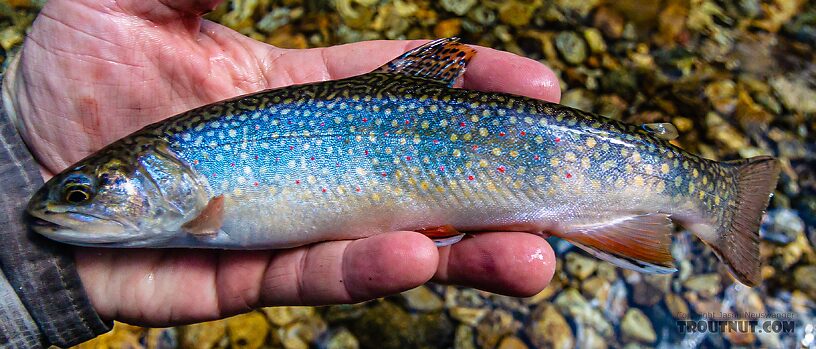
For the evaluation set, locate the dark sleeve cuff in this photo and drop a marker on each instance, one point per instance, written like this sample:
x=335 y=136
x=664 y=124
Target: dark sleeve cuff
x=41 y=272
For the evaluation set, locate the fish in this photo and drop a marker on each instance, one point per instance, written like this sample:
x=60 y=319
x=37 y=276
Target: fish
x=400 y=148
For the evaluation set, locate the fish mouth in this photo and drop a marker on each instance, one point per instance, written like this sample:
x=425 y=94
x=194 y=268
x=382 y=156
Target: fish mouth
x=75 y=227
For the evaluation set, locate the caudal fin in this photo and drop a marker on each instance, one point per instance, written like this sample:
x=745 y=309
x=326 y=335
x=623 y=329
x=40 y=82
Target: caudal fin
x=738 y=244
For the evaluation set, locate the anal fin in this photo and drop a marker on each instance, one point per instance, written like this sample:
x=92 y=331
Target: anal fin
x=443 y=60
x=209 y=221
x=639 y=242
x=443 y=235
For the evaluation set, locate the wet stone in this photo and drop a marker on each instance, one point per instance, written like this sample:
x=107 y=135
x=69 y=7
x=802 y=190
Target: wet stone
x=247 y=330
x=572 y=303
x=596 y=288
x=204 y=335
x=468 y=316
x=549 y=329
x=459 y=7
x=342 y=339
x=494 y=327
x=464 y=338
x=609 y=21
x=707 y=285
x=782 y=226
x=635 y=326
x=677 y=306
x=795 y=94
x=422 y=299
x=804 y=278
x=512 y=342
x=571 y=47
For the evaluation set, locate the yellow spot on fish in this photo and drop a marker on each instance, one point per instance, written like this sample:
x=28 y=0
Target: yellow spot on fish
x=539 y=139
x=624 y=152
x=695 y=173
x=483 y=163
x=647 y=169
x=570 y=156
x=539 y=179
x=717 y=200
x=469 y=164
x=702 y=194
x=497 y=151
x=424 y=124
x=453 y=137
x=678 y=181
x=529 y=120
x=685 y=164
x=238 y=192
x=443 y=123
x=542 y=122
x=660 y=186
x=424 y=185
x=467 y=136
x=664 y=168
x=483 y=132
x=638 y=181
x=629 y=168
x=514 y=153
x=474 y=118
x=705 y=180
x=590 y=142
x=585 y=162
x=691 y=188
x=457 y=152
x=608 y=164
x=554 y=162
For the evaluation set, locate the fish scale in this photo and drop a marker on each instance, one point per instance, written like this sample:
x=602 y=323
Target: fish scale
x=400 y=149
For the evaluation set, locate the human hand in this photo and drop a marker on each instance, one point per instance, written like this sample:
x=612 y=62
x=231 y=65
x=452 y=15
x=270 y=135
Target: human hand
x=94 y=71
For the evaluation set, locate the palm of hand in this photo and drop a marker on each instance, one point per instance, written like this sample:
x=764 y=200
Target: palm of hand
x=92 y=72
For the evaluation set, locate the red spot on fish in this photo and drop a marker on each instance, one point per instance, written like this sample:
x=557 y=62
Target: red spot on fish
x=536 y=157
x=436 y=141
x=256 y=157
x=501 y=169
x=277 y=159
x=501 y=134
x=441 y=168
x=366 y=152
x=523 y=133
x=337 y=164
x=365 y=119
x=291 y=147
x=475 y=147
x=322 y=124
x=297 y=181
x=215 y=175
x=386 y=133
x=569 y=175
x=384 y=174
x=257 y=127
x=232 y=164
x=557 y=139
x=470 y=178
x=407 y=122
x=408 y=158
x=324 y=190
x=289 y=122
x=357 y=189
x=311 y=158
x=255 y=184
x=462 y=124
x=195 y=162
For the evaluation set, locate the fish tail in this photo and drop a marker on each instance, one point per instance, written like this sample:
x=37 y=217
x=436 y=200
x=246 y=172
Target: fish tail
x=736 y=240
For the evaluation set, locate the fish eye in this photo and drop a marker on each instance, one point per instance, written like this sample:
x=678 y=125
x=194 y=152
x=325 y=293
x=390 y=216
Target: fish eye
x=77 y=194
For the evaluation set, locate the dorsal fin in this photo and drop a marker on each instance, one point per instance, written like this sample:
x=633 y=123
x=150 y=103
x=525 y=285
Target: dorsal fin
x=662 y=130
x=443 y=60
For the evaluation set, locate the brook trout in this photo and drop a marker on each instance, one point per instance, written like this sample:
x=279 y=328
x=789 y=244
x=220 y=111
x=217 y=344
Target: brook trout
x=401 y=149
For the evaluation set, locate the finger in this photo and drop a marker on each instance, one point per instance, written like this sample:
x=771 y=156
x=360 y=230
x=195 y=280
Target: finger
x=514 y=264
x=349 y=271
x=165 y=11
x=489 y=70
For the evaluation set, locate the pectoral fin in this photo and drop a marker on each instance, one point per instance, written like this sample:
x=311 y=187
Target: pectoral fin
x=443 y=235
x=639 y=242
x=209 y=221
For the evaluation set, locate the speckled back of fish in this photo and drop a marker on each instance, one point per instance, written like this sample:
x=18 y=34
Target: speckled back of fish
x=400 y=149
